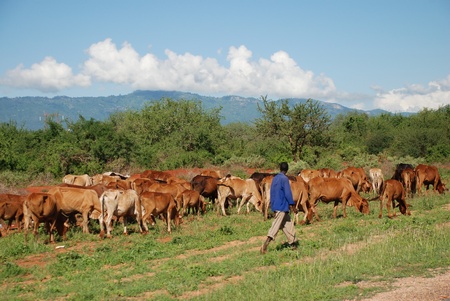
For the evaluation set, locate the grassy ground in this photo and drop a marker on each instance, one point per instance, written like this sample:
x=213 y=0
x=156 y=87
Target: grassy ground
x=213 y=257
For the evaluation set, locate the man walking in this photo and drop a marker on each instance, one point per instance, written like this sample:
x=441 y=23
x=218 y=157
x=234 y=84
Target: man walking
x=280 y=201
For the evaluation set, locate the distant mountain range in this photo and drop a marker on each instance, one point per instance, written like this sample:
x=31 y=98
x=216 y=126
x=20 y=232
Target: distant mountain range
x=30 y=112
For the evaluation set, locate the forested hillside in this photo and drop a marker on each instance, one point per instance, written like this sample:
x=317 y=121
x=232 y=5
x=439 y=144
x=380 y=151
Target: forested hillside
x=31 y=112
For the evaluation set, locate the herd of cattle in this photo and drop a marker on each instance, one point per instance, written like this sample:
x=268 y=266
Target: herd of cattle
x=157 y=194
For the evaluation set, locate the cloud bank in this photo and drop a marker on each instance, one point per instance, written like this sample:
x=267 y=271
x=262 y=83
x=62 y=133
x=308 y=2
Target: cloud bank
x=278 y=77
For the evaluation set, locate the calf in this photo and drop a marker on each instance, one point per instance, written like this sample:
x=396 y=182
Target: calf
x=159 y=203
x=192 y=200
x=393 y=191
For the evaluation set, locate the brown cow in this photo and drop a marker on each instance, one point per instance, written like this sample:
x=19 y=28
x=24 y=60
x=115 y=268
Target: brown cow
x=174 y=189
x=11 y=209
x=265 y=184
x=70 y=201
x=121 y=204
x=192 y=200
x=41 y=208
x=299 y=190
x=327 y=173
x=408 y=180
x=237 y=188
x=393 y=191
x=142 y=184
x=160 y=176
x=212 y=173
x=159 y=203
x=358 y=177
x=377 y=178
x=335 y=190
x=429 y=175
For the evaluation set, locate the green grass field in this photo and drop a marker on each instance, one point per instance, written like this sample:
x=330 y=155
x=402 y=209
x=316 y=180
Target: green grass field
x=214 y=257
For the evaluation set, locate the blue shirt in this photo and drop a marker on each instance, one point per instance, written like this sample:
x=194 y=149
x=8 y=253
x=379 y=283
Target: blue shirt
x=280 y=193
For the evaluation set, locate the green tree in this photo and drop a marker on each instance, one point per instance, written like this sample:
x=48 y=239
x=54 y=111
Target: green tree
x=299 y=126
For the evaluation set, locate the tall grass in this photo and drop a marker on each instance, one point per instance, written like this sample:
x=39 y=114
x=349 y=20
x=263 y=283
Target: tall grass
x=213 y=257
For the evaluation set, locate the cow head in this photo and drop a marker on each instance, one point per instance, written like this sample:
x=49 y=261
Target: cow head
x=441 y=187
x=404 y=208
x=363 y=206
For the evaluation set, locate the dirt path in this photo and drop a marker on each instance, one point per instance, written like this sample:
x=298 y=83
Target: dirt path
x=417 y=288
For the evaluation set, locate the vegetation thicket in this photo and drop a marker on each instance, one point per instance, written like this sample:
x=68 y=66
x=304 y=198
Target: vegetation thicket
x=173 y=134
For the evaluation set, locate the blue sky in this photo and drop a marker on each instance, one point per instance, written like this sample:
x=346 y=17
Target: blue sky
x=393 y=55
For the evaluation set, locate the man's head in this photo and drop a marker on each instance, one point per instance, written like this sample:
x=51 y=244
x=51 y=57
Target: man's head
x=284 y=167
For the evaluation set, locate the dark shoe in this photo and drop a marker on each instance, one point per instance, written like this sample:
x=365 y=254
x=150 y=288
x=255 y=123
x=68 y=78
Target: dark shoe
x=294 y=245
x=264 y=247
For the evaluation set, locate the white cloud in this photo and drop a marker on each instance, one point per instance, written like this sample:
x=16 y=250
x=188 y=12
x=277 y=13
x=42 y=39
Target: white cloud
x=46 y=76
x=279 y=76
x=415 y=97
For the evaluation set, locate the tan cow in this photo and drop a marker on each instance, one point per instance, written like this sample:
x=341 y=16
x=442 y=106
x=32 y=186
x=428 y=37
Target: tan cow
x=393 y=191
x=237 y=188
x=155 y=204
x=80 y=180
x=408 y=180
x=335 y=190
x=70 y=201
x=377 y=178
x=121 y=204
x=308 y=174
x=264 y=186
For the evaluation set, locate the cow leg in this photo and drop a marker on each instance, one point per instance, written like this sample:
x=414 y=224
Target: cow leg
x=85 y=221
x=389 y=205
x=125 y=224
x=380 y=215
x=168 y=220
x=336 y=203
x=108 y=224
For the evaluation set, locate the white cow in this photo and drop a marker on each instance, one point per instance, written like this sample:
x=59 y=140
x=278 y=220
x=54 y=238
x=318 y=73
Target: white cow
x=119 y=203
x=377 y=178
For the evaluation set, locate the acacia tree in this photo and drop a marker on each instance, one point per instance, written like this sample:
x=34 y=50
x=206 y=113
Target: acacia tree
x=301 y=125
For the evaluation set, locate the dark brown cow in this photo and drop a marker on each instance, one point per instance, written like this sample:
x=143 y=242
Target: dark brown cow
x=358 y=177
x=11 y=209
x=335 y=190
x=192 y=200
x=41 y=208
x=206 y=186
x=429 y=175
x=398 y=170
x=408 y=180
x=70 y=201
x=159 y=203
x=393 y=191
